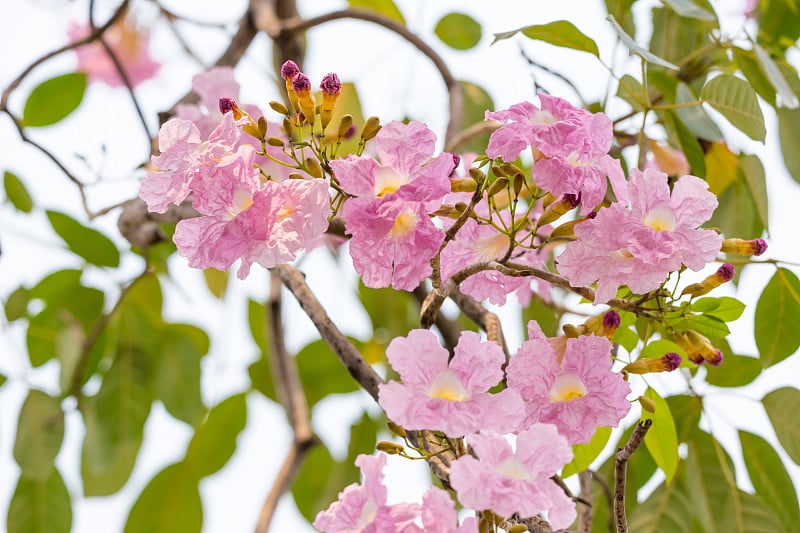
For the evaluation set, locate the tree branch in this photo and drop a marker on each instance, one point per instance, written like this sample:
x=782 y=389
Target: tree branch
x=585 y=509
x=294 y=280
x=620 y=468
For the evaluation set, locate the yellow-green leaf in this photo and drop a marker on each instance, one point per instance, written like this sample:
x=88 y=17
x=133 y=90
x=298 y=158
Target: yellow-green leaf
x=662 y=439
x=559 y=33
x=386 y=8
x=214 y=440
x=170 y=503
x=777 y=318
x=584 y=454
x=40 y=505
x=40 y=431
x=640 y=51
x=216 y=281
x=16 y=193
x=54 y=99
x=782 y=406
x=721 y=167
x=736 y=100
x=88 y=243
x=458 y=31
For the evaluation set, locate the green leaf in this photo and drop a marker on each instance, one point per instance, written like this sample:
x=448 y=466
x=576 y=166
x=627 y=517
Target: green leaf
x=695 y=117
x=789 y=133
x=386 y=8
x=770 y=480
x=751 y=69
x=40 y=506
x=476 y=102
x=40 y=432
x=115 y=420
x=3 y=380
x=777 y=318
x=458 y=31
x=782 y=406
x=322 y=373
x=667 y=510
x=319 y=481
x=177 y=380
x=736 y=214
x=785 y=95
x=709 y=326
x=658 y=348
x=621 y=9
x=725 y=308
x=559 y=33
x=543 y=314
x=392 y=313
x=632 y=92
x=584 y=454
x=736 y=100
x=16 y=193
x=216 y=281
x=640 y=51
x=53 y=100
x=170 y=503
x=735 y=370
x=755 y=180
x=16 y=306
x=722 y=167
x=686 y=411
x=662 y=439
x=214 y=441
x=88 y=243
x=687 y=8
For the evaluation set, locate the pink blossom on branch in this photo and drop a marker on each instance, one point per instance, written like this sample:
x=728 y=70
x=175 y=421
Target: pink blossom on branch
x=131 y=46
x=362 y=508
x=439 y=514
x=509 y=481
x=576 y=391
x=453 y=396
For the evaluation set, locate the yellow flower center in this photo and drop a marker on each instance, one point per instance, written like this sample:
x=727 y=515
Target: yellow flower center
x=513 y=468
x=241 y=201
x=543 y=117
x=448 y=387
x=387 y=181
x=493 y=247
x=660 y=218
x=567 y=387
x=405 y=222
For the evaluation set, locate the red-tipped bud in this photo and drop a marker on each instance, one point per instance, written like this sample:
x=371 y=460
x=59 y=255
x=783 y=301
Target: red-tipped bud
x=289 y=70
x=717 y=359
x=226 y=104
x=697 y=347
x=723 y=274
x=553 y=212
x=604 y=325
x=667 y=363
x=301 y=86
x=331 y=87
x=744 y=247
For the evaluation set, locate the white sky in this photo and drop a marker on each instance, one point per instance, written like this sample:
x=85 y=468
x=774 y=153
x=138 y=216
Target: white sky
x=393 y=81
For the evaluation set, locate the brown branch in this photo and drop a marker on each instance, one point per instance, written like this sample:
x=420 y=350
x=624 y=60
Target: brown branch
x=485 y=319
x=466 y=135
x=620 y=467
x=608 y=496
x=294 y=280
x=456 y=95
x=450 y=330
x=585 y=510
x=290 y=392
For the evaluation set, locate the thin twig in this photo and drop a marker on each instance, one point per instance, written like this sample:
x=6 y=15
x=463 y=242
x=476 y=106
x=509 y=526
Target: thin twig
x=290 y=392
x=486 y=320
x=294 y=280
x=450 y=330
x=456 y=96
x=620 y=467
x=585 y=509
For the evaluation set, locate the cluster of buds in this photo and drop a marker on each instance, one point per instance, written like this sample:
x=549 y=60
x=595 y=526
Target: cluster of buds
x=298 y=88
x=698 y=348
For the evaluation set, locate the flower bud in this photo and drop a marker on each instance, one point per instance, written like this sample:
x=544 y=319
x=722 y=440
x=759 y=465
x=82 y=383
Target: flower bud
x=647 y=404
x=345 y=123
x=555 y=210
x=477 y=174
x=744 y=247
x=396 y=429
x=331 y=87
x=697 y=347
x=604 y=325
x=289 y=71
x=510 y=169
x=463 y=185
x=517 y=528
x=296 y=176
x=302 y=88
x=667 y=363
x=499 y=184
x=262 y=127
x=723 y=274
x=278 y=107
x=392 y=448
x=276 y=141
x=313 y=167
x=371 y=128
x=519 y=181
x=571 y=331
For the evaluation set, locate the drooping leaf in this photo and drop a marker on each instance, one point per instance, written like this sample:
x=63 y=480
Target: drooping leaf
x=736 y=100
x=686 y=411
x=386 y=8
x=621 y=10
x=789 y=133
x=777 y=318
x=214 y=440
x=458 y=31
x=40 y=431
x=662 y=438
x=782 y=406
x=778 y=24
x=635 y=49
x=53 y=100
x=177 y=381
x=707 y=325
x=115 y=420
x=769 y=477
x=85 y=242
x=751 y=69
x=687 y=141
x=40 y=506
x=559 y=33
x=785 y=96
x=584 y=454
x=169 y=503
x=16 y=193
x=736 y=214
x=755 y=180
x=687 y=8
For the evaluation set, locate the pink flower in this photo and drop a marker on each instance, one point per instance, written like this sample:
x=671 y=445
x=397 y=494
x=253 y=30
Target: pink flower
x=451 y=397
x=640 y=246
x=439 y=514
x=130 y=45
x=362 y=508
x=268 y=224
x=577 y=393
x=393 y=236
x=210 y=86
x=184 y=158
x=508 y=481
